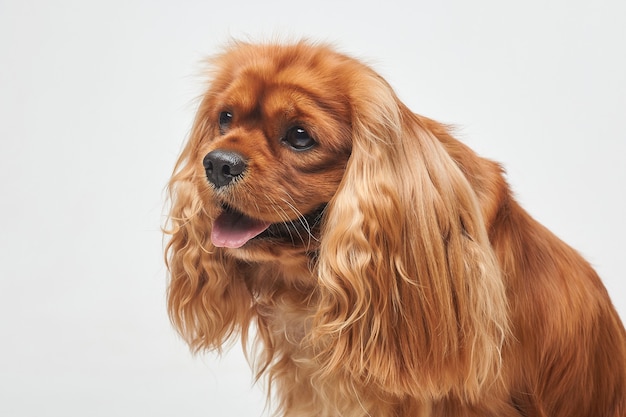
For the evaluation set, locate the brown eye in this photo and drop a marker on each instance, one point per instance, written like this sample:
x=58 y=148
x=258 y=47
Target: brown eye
x=224 y=121
x=298 y=139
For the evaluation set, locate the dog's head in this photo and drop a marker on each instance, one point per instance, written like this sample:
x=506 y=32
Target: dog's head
x=271 y=143
x=298 y=152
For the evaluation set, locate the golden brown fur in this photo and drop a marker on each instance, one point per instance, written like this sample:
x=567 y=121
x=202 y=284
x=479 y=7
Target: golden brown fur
x=421 y=289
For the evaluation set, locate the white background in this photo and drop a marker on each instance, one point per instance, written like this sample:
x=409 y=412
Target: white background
x=96 y=99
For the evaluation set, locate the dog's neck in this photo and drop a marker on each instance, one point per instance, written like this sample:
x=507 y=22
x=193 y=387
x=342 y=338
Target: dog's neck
x=284 y=295
x=289 y=270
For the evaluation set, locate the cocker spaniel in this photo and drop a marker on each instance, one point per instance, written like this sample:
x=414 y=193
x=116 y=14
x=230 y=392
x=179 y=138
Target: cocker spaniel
x=386 y=267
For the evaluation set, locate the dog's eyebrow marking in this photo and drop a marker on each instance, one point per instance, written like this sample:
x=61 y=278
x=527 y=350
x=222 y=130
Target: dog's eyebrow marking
x=300 y=94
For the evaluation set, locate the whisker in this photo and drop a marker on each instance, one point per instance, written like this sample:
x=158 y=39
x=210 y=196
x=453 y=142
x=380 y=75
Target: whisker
x=299 y=217
x=289 y=221
x=304 y=221
x=289 y=224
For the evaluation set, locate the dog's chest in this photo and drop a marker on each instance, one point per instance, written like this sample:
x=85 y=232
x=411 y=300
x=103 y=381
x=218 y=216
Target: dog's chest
x=284 y=299
x=288 y=319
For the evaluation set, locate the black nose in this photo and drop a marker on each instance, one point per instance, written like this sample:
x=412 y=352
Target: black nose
x=222 y=166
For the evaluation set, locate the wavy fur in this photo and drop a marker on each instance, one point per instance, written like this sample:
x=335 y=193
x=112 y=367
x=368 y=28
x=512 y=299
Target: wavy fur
x=421 y=288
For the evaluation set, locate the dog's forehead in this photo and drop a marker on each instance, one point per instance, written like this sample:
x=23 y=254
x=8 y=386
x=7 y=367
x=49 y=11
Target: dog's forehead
x=273 y=87
x=250 y=95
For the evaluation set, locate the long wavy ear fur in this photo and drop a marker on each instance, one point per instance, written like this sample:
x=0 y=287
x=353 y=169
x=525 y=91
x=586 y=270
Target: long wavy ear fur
x=207 y=299
x=411 y=298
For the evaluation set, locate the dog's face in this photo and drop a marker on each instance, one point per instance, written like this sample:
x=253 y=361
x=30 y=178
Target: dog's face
x=274 y=140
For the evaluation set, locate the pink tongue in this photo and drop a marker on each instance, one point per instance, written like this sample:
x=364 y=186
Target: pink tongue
x=233 y=230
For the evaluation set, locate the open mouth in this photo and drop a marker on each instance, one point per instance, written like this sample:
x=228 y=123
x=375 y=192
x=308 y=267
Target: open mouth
x=233 y=229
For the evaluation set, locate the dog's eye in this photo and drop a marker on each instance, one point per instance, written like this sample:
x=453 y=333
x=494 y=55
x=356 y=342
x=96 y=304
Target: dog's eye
x=225 y=119
x=299 y=139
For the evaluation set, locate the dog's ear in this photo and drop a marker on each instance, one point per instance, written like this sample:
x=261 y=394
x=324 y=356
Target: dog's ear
x=411 y=297
x=207 y=298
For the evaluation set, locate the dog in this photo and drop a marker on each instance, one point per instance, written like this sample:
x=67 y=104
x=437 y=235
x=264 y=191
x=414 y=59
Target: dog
x=386 y=268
